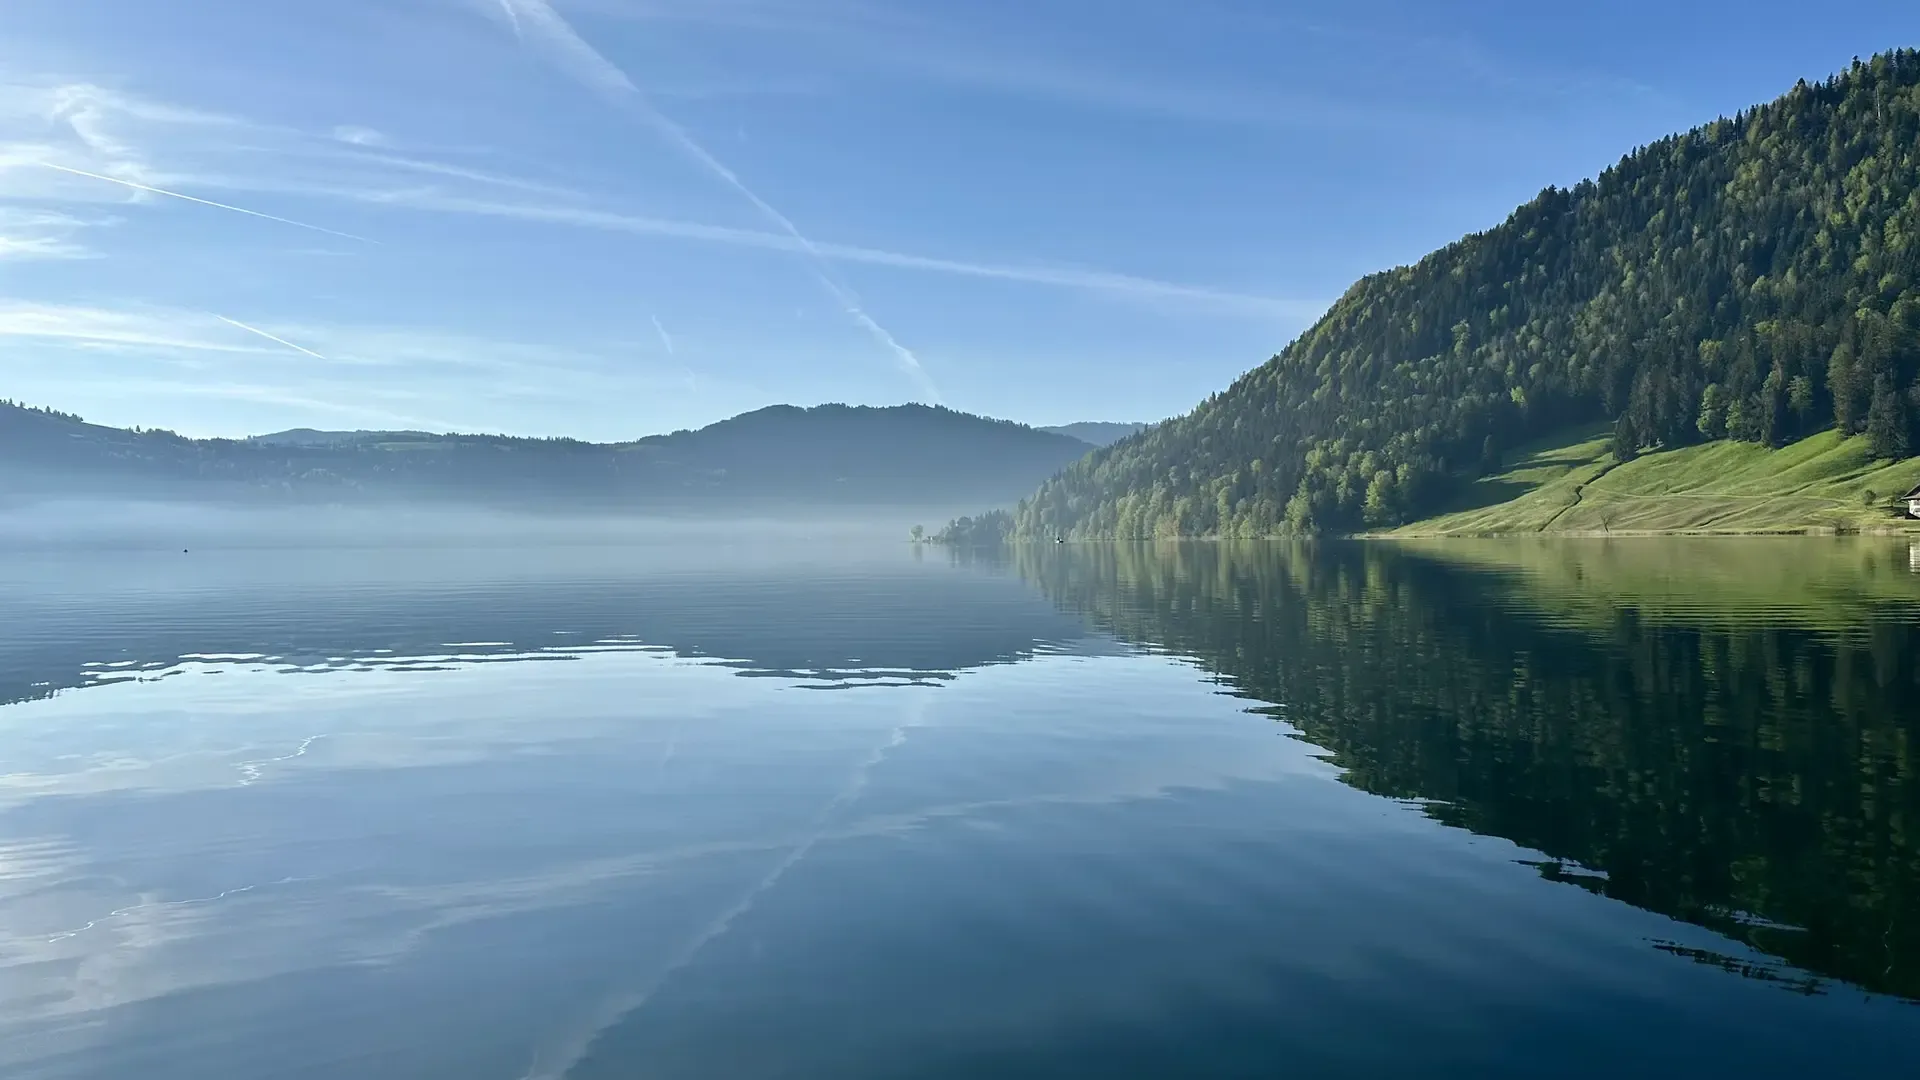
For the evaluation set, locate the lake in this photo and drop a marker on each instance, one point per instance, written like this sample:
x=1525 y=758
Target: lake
x=749 y=809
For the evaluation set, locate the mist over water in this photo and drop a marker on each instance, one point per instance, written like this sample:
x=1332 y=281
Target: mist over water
x=740 y=803
x=133 y=525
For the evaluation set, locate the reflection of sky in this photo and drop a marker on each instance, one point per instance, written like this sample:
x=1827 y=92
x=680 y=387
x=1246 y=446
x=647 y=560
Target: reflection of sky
x=859 y=616
x=229 y=822
x=473 y=856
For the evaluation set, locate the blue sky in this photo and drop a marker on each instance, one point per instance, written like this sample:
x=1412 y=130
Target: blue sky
x=609 y=218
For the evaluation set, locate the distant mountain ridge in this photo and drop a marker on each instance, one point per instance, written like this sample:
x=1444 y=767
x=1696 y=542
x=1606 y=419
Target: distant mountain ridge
x=1091 y=432
x=827 y=455
x=1096 y=432
x=313 y=437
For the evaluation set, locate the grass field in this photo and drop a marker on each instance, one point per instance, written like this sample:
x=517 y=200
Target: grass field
x=1573 y=485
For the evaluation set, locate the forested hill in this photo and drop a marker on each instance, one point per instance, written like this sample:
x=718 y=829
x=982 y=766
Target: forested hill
x=1099 y=433
x=1757 y=278
x=830 y=455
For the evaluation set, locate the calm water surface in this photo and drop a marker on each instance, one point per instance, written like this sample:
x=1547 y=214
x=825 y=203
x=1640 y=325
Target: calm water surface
x=719 y=810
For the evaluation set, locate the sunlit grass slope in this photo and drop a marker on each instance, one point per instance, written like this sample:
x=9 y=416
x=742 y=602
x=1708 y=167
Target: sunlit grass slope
x=1572 y=484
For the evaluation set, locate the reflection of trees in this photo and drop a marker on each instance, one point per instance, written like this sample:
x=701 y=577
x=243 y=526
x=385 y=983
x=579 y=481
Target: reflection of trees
x=1760 y=781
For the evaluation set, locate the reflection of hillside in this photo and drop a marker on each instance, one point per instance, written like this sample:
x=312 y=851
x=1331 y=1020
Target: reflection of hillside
x=830 y=625
x=1838 y=585
x=1757 y=778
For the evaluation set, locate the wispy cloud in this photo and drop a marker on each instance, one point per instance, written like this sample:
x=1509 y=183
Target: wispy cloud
x=91 y=127
x=98 y=103
x=581 y=61
x=77 y=352
x=67 y=143
x=269 y=337
x=461 y=172
x=780 y=15
x=97 y=116
x=371 y=171
x=354 y=408
x=137 y=328
x=39 y=247
x=665 y=338
x=513 y=19
x=159 y=329
x=355 y=135
x=1405 y=47
x=888 y=42
x=153 y=352
x=40 y=234
x=152 y=190
x=1099 y=281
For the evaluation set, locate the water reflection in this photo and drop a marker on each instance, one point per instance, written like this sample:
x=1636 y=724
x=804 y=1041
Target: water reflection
x=866 y=618
x=582 y=813
x=1739 y=756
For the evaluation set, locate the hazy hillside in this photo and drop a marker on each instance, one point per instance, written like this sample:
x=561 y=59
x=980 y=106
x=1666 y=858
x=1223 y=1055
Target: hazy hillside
x=311 y=437
x=1756 y=279
x=830 y=455
x=1096 y=432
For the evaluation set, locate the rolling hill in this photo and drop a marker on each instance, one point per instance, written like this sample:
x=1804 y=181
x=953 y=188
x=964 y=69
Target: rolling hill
x=829 y=455
x=1096 y=432
x=1755 y=280
x=312 y=437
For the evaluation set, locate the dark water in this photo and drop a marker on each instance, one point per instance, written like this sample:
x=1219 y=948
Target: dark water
x=1644 y=808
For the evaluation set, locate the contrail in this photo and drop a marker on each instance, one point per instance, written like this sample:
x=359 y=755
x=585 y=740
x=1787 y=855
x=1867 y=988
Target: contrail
x=1063 y=277
x=665 y=339
x=264 y=334
x=203 y=202
x=584 y=62
x=561 y=1061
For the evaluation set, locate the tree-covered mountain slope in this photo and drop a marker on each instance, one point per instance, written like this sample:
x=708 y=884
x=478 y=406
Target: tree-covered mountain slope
x=1755 y=279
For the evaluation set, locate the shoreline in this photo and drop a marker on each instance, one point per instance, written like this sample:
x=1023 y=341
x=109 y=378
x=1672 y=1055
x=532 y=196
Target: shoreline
x=1909 y=529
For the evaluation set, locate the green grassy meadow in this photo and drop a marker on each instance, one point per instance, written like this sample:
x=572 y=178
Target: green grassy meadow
x=1573 y=485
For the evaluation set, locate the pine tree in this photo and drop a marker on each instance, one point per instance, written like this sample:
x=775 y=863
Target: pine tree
x=1887 y=435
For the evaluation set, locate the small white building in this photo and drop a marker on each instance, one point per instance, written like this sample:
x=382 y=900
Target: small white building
x=1913 y=502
